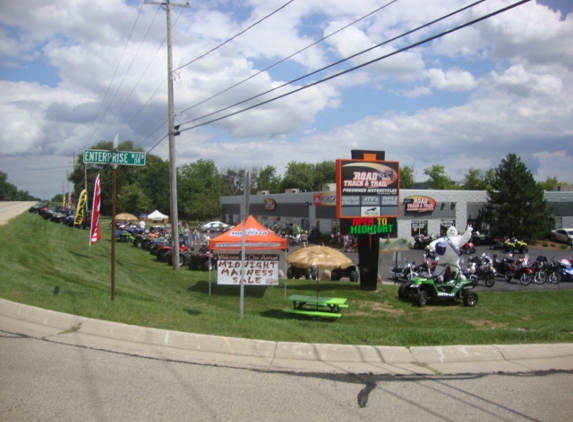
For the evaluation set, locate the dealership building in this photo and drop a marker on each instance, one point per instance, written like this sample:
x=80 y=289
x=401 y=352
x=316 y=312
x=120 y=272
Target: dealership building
x=420 y=210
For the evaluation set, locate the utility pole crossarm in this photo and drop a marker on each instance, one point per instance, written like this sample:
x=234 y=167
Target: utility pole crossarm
x=164 y=3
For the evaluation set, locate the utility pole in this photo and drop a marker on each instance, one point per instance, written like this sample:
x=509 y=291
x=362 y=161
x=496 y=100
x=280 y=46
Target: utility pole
x=172 y=133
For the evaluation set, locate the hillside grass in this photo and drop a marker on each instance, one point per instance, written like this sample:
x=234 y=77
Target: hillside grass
x=49 y=265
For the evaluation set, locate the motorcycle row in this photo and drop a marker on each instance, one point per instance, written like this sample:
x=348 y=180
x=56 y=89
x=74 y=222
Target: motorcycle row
x=158 y=242
x=430 y=279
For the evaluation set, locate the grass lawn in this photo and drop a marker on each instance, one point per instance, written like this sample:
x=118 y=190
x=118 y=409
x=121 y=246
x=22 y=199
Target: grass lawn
x=49 y=265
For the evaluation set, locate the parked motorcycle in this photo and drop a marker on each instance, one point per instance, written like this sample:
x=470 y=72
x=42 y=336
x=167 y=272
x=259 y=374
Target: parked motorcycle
x=501 y=265
x=560 y=271
x=421 y=241
x=484 y=270
x=468 y=248
x=520 y=270
x=404 y=272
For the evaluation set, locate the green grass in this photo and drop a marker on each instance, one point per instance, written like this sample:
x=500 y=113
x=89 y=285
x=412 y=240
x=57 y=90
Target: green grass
x=49 y=265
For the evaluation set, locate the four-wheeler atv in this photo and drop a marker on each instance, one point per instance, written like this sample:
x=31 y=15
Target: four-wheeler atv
x=443 y=286
x=307 y=273
x=350 y=272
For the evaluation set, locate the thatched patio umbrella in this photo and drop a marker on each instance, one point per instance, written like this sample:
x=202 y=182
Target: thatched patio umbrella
x=124 y=216
x=321 y=257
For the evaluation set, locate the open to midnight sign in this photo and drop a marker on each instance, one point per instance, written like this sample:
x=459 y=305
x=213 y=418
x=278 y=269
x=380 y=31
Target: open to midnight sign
x=367 y=188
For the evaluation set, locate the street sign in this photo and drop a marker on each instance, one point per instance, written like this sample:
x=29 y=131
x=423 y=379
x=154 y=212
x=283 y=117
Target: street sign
x=125 y=158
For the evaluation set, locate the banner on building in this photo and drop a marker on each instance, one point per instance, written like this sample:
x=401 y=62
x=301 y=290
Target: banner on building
x=95 y=234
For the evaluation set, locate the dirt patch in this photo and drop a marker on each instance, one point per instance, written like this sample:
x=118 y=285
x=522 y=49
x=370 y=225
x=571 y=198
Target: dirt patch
x=481 y=323
x=377 y=307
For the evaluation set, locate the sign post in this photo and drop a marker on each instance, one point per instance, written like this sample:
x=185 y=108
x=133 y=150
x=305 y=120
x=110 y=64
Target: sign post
x=368 y=200
x=114 y=158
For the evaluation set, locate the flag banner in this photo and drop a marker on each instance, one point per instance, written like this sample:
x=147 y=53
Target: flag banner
x=70 y=200
x=95 y=234
x=81 y=207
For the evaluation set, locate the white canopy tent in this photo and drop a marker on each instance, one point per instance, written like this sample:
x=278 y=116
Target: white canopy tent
x=157 y=216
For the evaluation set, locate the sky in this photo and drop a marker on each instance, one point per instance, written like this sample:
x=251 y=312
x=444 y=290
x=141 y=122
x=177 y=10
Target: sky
x=76 y=72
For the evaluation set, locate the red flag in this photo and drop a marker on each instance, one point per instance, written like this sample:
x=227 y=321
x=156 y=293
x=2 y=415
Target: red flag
x=70 y=201
x=95 y=234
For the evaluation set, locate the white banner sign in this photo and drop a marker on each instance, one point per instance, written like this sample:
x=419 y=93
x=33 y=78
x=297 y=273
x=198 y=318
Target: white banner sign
x=260 y=269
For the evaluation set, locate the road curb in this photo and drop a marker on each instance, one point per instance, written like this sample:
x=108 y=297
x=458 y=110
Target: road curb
x=281 y=356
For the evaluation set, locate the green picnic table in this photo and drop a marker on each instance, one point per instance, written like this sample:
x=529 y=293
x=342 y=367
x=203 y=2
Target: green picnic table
x=328 y=307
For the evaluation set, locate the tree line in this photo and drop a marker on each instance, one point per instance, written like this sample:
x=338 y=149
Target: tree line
x=515 y=206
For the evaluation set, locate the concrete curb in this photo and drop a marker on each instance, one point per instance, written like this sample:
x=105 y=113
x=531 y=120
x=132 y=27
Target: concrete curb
x=280 y=356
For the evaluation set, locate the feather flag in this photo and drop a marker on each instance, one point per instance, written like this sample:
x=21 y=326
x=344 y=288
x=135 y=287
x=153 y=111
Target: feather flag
x=95 y=234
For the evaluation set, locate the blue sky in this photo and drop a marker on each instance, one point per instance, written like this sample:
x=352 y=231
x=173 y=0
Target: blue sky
x=74 y=72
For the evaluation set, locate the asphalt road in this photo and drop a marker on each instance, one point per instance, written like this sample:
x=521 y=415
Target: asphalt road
x=48 y=381
x=11 y=209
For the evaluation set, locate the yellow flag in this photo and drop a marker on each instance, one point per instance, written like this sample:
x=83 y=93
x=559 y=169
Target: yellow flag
x=81 y=207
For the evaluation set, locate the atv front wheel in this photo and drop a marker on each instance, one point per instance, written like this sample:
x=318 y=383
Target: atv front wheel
x=404 y=291
x=422 y=298
x=470 y=299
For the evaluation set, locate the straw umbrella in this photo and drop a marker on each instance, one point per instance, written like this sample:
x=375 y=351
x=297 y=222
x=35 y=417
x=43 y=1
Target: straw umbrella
x=124 y=216
x=321 y=257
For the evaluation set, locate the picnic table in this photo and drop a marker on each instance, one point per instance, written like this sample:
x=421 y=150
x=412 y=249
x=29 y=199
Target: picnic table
x=328 y=307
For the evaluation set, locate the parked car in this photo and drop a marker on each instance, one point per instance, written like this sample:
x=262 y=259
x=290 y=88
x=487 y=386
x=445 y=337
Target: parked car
x=214 y=226
x=562 y=235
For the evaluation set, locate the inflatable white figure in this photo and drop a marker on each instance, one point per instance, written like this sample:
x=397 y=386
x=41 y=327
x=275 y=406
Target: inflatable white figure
x=448 y=247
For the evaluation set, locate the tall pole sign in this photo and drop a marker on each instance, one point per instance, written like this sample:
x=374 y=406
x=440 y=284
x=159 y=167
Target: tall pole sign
x=114 y=158
x=368 y=198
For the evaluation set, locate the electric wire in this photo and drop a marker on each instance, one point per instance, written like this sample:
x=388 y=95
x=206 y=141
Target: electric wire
x=116 y=114
x=337 y=62
x=203 y=55
x=286 y=58
x=416 y=44
x=90 y=132
x=235 y=36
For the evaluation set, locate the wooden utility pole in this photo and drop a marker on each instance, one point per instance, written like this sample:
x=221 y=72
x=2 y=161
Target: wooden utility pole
x=172 y=133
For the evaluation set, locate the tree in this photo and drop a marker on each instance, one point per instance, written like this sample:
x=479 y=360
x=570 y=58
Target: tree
x=474 y=180
x=234 y=182
x=406 y=177
x=516 y=205
x=325 y=173
x=9 y=192
x=267 y=180
x=153 y=178
x=437 y=177
x=551 y=183
x=132 y=199
x=300 y=176
x=199 y=187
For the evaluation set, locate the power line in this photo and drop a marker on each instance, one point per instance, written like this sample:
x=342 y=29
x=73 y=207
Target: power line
x=235 y=36
x=114 y=74
x=426 y=40
x=337 y=62
x=288 y=57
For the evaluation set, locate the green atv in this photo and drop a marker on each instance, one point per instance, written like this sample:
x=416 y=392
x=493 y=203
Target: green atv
x=443 y=286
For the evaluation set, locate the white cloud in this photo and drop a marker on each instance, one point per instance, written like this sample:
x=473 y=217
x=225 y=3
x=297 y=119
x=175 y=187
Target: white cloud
x=516 y=67
x=453 y=80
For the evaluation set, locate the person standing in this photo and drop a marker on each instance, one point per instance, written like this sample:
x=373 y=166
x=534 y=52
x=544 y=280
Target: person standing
x=186 y=234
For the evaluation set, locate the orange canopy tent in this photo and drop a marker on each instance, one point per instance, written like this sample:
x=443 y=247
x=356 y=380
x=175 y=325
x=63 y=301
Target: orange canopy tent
x=257 y=238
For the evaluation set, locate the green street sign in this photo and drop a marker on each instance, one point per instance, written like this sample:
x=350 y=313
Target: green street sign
x=123 y=158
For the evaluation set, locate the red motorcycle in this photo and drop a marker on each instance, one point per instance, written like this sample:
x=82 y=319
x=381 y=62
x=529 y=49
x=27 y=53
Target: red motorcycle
x=468 y=248
x=520 y=270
